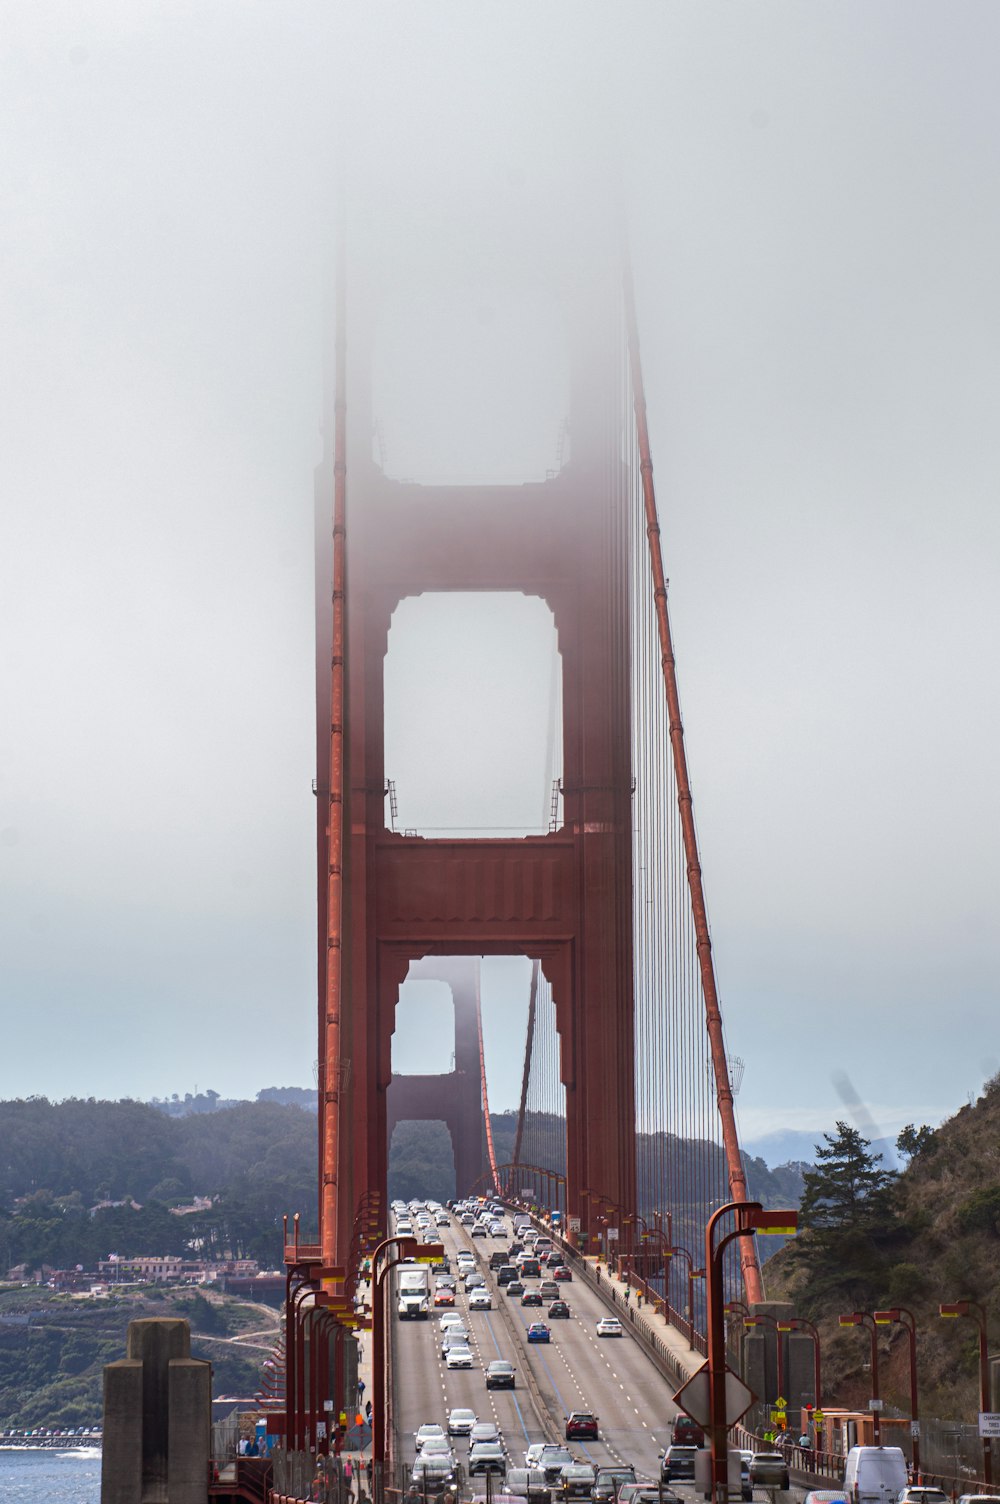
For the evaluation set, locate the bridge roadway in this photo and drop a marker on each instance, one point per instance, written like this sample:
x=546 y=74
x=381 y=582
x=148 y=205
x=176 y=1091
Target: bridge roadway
x=577 y=1370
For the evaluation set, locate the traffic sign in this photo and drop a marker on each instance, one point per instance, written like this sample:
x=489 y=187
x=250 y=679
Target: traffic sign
x=817 y=1416
x=874 y=1404
x=574 y=1224
x=989 y=1423
x=781 y=1403
x=695 y=1400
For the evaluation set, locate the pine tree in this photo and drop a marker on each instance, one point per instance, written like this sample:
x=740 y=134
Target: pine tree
x=847 y=1191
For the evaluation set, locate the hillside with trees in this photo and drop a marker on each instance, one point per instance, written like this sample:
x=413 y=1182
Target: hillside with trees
x=873 y=1239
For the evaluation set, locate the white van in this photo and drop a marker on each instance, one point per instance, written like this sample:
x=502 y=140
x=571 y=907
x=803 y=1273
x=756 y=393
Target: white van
x=875 y=1475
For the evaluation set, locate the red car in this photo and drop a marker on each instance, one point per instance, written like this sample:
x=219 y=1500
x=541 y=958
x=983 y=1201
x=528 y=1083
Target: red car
x=581 y=1426
x=444 y=1297
x=559 y=1271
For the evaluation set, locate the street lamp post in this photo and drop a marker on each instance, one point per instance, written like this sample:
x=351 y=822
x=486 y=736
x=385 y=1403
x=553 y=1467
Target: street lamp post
x=861 y=1318
x=905 y=1319
x=974 y=1311
x=751 y=1218
x=406 y=1248
x=692 y=1275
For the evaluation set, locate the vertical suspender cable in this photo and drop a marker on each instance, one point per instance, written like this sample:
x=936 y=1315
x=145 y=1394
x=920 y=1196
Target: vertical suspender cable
x=723 y=1086
x=332 y=1004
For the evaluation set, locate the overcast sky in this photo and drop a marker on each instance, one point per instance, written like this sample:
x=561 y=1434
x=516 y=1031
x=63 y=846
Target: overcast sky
x=815 y=223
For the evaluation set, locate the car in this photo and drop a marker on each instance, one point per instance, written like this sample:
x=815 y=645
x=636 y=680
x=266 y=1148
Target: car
x=461 y=1422
x=484 y=1430
x=498 y=1259
x=686 y=1432
x=453 y=1336
x=552 y=1458
x=646 y=1493
x=678 y=1462
x=837 y=1496
x=527 y=1483
x=560 y=1272
x=609 y=1480
x=435 y=1476
x=539 y=1332
x=768 y=1470
x=500 y=1374
x=972 y=1498
x=922 y=1495
x=514 y=1287
x=480 y=1300
x=497 y=1230
x=487 y=1457
x=532 y=1297
x=473 y=1280
x=609 y=1326
x=444 y=1297
x=581 y=1425
x=577 y=1480
x=450 y=1318
x=479 y=1231
x=458 y=1357
x=506 y=1273
x=436 y=1447
x=559 y=1310
x=548 y=1289
x=428 y=1432
x=529 y=1267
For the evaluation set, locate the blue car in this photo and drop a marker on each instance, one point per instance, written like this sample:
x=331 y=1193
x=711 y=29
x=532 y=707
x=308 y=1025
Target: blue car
x=539 y=1332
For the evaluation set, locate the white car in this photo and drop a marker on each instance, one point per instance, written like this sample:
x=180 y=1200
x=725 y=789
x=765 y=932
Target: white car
x=450 y=1318
x=609 y=1326
x=480 y=1300
x=458 y=1357
x=461 y=1422
x=429 y=1432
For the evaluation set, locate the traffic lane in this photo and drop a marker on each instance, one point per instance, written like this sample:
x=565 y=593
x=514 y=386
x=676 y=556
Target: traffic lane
x=576 y=1372
x=612 y=1376
x=572 y=1373
x=635 y=1369
x=427 y=1390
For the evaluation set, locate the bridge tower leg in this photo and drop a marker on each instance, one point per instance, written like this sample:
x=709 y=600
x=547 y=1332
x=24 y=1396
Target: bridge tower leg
x=453 y=1097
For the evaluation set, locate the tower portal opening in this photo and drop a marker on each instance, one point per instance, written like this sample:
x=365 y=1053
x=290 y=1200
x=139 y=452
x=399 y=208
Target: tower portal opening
x=473 y=715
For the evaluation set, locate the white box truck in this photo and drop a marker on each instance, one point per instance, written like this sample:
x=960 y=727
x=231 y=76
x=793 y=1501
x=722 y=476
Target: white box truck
x=413 y=1291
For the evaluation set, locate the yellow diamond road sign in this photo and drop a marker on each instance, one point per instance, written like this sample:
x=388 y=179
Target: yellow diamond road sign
x=780 y=1403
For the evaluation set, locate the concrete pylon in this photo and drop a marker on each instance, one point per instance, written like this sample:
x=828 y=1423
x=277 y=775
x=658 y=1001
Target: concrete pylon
x=157 y=1418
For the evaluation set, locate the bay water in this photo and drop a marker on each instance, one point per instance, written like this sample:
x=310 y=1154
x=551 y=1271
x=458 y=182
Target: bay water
x=43 y=1476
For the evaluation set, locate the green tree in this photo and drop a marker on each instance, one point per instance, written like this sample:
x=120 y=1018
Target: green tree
x=913 y=1141
x=847 y=1190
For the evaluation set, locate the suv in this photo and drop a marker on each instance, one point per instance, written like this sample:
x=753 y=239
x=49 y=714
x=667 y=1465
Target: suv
x=577 y=1480
x=552 y=1459
x=771 y=1470
x=527 y=1483
x=498 y=1258
x=500 y=1374
x=486 y=1457
x=609 y=1480
x=678 y=1462
x=506 y=1273
x=581 y=1425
